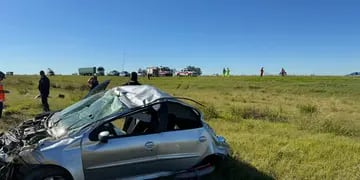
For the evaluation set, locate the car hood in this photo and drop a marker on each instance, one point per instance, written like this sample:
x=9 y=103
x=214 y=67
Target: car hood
x=24 y=136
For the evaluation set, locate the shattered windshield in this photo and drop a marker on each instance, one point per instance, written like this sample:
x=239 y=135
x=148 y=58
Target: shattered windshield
x=87 y=111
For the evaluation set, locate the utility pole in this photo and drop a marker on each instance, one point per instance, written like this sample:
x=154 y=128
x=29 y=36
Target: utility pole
x=123 y=61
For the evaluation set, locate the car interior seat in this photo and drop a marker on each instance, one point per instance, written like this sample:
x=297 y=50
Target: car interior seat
x=171 y=122
x=153 y=126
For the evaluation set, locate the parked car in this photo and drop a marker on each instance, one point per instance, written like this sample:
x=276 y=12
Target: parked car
x=124 y=74
x=165 y=71
x=141 y=74
x=135 y=132
x=114 y=73
x=354 y=74
x=186 y=72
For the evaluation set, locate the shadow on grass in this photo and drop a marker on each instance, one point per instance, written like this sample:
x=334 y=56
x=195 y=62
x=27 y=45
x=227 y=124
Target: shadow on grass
x=230 y=169
x=236 y=169
x=10 y=120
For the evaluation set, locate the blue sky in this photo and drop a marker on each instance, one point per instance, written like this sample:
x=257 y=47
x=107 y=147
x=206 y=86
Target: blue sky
x=303 y=36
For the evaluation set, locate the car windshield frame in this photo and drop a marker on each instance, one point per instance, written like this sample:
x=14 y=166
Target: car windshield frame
x=86 y=111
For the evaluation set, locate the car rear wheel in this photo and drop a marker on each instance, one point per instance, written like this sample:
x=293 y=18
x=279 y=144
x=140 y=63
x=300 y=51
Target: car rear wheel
x=48 y=173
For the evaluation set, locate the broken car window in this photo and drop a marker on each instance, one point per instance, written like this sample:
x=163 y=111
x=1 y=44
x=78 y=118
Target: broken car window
x=89 y=110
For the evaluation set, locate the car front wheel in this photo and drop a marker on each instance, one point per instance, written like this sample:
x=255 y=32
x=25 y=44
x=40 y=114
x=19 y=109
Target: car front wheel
x=48 y=173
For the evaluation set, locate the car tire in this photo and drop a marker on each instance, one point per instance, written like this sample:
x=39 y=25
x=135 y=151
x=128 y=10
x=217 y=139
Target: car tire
x=45 y=173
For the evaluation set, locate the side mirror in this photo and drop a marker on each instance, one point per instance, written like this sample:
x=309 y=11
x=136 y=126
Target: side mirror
x=221 y=139
x=104 y=136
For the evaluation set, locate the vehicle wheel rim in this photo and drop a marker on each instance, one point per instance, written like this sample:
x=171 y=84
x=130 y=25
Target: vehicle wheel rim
x=55 y=178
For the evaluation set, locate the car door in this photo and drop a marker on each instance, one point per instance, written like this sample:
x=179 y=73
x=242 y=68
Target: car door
x=120 y=157
x=182 y=143
x=180 y=150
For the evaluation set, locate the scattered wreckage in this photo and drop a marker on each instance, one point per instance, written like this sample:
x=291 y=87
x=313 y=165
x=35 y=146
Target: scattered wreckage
x=125 y=132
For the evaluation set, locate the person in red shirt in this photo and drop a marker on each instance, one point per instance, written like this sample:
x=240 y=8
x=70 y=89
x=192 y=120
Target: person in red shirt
x=2 y=93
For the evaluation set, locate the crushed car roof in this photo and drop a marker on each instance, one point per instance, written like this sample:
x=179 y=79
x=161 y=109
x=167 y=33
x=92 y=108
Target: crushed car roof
x=139 y=95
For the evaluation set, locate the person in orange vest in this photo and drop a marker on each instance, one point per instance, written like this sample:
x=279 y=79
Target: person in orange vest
x=2 y=93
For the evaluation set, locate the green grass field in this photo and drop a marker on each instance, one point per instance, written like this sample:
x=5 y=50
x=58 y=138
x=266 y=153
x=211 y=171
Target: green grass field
x=295 y=127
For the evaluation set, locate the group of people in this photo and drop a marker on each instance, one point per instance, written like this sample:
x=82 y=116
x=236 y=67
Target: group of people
x=226 y=72
x=44 y=88
x=93 y=81
x=282 y=72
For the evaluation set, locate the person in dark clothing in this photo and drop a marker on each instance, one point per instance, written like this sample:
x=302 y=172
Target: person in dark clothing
x=44 y=88
x=283 y=72
x=93 y=82
x=133 y=80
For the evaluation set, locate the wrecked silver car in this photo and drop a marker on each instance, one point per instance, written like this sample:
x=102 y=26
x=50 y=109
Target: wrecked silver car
x=126 y=132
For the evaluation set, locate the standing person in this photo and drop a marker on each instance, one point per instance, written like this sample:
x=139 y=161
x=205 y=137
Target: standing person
x=44 y=88
x=262 y=72
x=133 y=80
x=227 y=72
x=148 y=73
x=93 y=82
x=2 y=93
x=224 y=72
x=283 y=72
